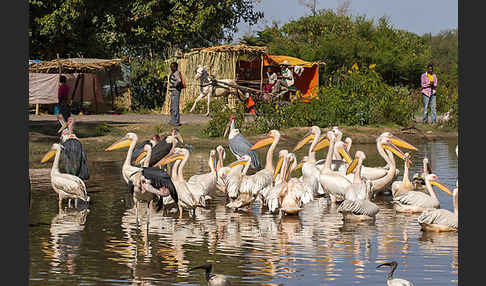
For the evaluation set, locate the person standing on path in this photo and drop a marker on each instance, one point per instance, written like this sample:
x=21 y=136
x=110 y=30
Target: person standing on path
x=175 y=87
x=429 y=90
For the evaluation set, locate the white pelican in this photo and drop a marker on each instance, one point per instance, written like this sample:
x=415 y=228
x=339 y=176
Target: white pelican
x=390 y=281
x=191 y=195
x=310 y=172
x=132 y=174
x=375 y=173
x=208 y=180
x=440 y=220
x=294 y=193
x=357 y=205
x=213 y=279
x=220 y=169
x=239 y=145
x=271 y=195
x=416 y=201
x=263 y=178
x=332 y=182
x=66 y=186
x=403 y=186
x=240 y=194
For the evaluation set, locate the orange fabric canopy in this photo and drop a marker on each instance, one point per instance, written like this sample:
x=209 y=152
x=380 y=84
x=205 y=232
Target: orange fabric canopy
x=308 y=82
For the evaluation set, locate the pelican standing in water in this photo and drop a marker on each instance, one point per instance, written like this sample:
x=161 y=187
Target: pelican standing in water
x=208 y=180
x=155 y=180
x=390 y=281
x=213 y=279
x=239 y=145
x=66 y=186
x=416 y=201
x=332 y=182
x=357 y=205
x=403 y=186
x=132 y=174
x=240 y=193
x=310 y=172
x=295 y=193
x=269 y=195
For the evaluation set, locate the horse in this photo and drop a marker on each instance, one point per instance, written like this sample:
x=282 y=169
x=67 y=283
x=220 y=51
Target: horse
x=212 y=87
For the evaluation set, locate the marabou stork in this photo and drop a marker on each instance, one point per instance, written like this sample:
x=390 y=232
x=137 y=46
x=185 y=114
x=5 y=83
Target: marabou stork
x=160 y=147
x=213 y=279
x=73 y=158
x=67 y=186
x=238 y=144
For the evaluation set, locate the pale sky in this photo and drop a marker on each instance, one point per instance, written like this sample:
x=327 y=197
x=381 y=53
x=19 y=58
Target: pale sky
x=416 y=16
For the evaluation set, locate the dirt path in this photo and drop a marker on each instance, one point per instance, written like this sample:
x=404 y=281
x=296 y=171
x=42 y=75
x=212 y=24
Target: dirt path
x=126 y=118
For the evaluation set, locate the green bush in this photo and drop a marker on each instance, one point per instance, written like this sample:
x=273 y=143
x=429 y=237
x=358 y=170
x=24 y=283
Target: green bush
x=220 y=114
x=352 y=97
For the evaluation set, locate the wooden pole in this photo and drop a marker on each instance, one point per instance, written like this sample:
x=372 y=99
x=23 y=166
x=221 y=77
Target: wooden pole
x=129 y=90
x=36 y=109
x=111 y=91
x=94 y=93
x=82 y=92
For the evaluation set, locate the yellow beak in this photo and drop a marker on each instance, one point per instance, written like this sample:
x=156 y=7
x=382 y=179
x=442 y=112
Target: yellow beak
x=171 y=157
x=345 y=154
x=395 y=150
x=179 y=137
x=278 y=167
x=140 y=157
x=48 y=156
x=352 y=166
x=441 y=186
x=299 y=165
x=401 y=143
x=239 y=162
x=323 y=143
x=122 y=143
x=307 y=138
x=262 y=143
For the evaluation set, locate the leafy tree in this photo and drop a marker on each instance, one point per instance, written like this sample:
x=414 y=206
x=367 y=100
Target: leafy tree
x=106 y=28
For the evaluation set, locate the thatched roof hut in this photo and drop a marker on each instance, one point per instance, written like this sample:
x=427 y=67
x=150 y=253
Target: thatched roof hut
x=74 y=65
x=224 y=62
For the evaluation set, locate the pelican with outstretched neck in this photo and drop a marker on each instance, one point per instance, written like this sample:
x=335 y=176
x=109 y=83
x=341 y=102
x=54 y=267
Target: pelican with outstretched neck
x=66 y=186
x=332 y=182
x=310 y=172
x=416 y=201
x=213 y=279
x=357 y=205
x=441 y=220
x=405 y=185
x=390 y=281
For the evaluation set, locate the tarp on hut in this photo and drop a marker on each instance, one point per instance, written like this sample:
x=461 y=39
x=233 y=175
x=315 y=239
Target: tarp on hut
x=308 y=82
x=43 y=88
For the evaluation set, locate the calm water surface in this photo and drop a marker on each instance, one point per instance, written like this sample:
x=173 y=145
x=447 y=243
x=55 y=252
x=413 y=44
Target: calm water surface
x=100 y=245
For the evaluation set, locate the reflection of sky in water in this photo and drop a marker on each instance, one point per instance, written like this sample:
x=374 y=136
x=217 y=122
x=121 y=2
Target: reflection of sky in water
x=252 y=248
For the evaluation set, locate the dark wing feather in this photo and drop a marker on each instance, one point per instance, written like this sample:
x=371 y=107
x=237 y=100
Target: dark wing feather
x=159 y=151
x=138 y=150
x=131 y=187
x=74 y=159
x=160 y=179
x=239 y=146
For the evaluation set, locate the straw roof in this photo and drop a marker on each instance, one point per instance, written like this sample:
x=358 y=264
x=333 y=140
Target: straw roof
x=240 y=49
x=74 y=65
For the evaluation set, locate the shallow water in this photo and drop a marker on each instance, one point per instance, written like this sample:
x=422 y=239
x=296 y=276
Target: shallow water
x=101 y=245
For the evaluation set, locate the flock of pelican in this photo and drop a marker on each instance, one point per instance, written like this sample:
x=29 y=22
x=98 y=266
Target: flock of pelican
x=153 y=171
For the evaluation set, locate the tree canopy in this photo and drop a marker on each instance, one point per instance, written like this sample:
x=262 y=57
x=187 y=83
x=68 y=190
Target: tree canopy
x=92 y=28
